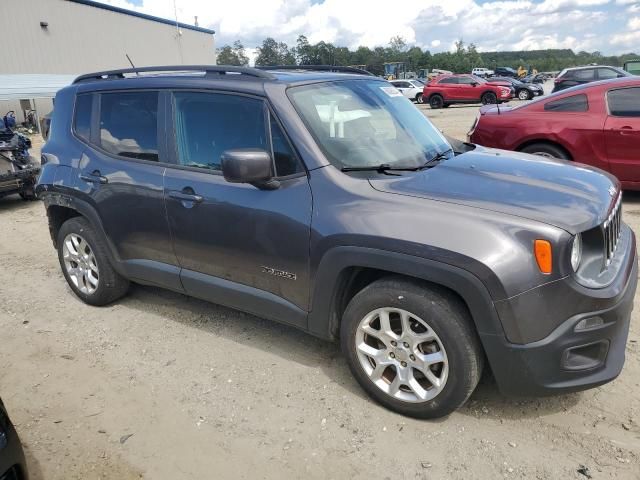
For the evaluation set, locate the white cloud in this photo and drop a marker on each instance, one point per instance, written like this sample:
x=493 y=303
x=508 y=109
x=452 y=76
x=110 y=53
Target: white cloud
x=634 y=23
x=434 y=24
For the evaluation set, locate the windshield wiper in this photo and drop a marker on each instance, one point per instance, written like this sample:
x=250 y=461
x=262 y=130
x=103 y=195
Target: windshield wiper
x=435 y=160
x=383 y=167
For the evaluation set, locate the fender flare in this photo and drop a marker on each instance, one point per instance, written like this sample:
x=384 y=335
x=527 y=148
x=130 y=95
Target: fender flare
x=322 y=322
x=86 y=210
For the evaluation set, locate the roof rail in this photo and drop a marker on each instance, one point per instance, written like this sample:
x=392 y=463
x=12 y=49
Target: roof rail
x=318 y=68
x=207 y=69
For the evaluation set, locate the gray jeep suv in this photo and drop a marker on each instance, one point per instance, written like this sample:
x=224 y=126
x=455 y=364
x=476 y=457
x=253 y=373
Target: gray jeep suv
x=325 y=200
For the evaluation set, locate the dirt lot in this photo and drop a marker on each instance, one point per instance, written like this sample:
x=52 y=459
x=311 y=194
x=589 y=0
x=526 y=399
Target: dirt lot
x=161 y=386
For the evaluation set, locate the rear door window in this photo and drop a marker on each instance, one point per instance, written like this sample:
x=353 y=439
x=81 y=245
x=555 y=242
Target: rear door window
x=586 y=75
x=624 y=102
x=129 y=124
x=607 y=73
x=574 y=103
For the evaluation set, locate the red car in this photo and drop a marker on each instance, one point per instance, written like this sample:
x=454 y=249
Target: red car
x=445 y=90
x=596 y=123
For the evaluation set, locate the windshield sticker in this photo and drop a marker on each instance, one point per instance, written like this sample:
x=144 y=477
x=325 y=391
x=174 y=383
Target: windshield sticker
x=391 y=91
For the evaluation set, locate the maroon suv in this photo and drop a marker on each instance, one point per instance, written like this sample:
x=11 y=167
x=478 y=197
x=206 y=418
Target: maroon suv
x=448 y=89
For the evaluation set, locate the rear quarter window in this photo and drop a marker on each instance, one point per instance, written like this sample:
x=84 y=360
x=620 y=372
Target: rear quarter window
x=624 y=102
x=574 y=103
x=82 y=116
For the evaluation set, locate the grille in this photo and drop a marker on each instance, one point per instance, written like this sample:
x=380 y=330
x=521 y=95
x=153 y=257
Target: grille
x=611 y=230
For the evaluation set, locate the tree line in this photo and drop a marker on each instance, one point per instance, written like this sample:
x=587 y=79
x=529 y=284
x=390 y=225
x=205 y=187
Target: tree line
x=461 y=60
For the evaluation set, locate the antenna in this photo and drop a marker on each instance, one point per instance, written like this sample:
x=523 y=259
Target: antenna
x=132 y=65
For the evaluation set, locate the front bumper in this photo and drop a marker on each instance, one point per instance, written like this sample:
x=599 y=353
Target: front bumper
x=567 y=360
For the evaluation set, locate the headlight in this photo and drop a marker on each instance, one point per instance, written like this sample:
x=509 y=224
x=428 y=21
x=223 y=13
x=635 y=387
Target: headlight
x=576 y=252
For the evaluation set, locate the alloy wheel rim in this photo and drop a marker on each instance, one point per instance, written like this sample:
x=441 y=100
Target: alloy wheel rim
x=80 y=263
x=402 y=355
x=523 y=95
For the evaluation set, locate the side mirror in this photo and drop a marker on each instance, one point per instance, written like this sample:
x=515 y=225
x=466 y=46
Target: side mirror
x=474 y=84
x=249 y=165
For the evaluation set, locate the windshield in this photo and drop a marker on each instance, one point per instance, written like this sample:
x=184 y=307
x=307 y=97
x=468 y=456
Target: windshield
x=362 y=123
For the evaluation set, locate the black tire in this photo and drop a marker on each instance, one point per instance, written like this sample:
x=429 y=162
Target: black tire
x=446 y=105
x=111 y=285
x=546 y=150
x=524 y=94
x=489 y=98
x=419 y=98
x=447 y=317
x=436 y=101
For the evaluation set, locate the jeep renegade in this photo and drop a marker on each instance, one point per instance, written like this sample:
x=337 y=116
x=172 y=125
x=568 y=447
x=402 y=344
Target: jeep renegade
x=325 y=200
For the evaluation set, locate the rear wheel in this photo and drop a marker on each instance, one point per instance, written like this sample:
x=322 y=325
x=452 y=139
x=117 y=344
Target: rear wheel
x=489 y=98
x=419 y=98
x=412 y=347
x=436 y=101
x=524 y=94
x=85 y=265
x=546 y=150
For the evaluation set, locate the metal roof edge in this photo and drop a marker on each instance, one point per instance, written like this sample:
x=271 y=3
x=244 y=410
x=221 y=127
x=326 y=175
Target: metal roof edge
x=104 y=6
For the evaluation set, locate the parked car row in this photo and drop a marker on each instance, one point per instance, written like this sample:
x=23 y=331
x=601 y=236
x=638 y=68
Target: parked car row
x=596 y=123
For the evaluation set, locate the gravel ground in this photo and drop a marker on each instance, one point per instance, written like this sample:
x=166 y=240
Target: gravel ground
x=162 y=386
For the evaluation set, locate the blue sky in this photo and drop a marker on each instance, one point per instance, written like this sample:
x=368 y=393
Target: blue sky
x=610 y=26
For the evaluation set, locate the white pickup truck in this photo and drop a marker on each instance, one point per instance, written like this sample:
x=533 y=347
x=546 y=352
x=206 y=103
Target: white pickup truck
x=482 y=72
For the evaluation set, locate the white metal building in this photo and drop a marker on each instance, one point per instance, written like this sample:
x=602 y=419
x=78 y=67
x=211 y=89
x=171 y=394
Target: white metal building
x=71 y=37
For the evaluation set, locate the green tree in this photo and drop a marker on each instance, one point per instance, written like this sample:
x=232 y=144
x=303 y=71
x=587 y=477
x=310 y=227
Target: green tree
x=233 y=55
x=274 y=53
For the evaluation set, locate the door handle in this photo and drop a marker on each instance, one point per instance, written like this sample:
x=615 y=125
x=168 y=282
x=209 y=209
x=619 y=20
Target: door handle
x=626 y=130
x=186 y=197
x=94 y=177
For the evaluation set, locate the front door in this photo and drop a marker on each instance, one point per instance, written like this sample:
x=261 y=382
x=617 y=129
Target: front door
x=121 y=171
x=622 y=133
x=238 y=245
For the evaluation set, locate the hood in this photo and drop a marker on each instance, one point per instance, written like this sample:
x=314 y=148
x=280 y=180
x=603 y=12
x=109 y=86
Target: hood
x=570 y=196
x=500 y=83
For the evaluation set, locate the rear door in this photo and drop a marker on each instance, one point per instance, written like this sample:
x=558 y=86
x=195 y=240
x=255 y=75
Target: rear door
x=449 y=88
x=622 y=133
x=237 y=245
x=468 y=88
x=121 y=174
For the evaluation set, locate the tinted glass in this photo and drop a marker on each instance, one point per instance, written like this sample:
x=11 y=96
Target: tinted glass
x=208 y=124
x=606 y=73
x=449 y=80
x=285 y=160
x=82 y=119
x=585 y=74
x=362 y=123
x=624 y=102
x=466 y=80
x=574 y=103
x=128 y=124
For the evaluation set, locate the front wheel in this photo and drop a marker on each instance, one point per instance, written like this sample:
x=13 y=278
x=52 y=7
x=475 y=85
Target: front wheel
x=412 y=347
x=524 y=94
x=489 y=98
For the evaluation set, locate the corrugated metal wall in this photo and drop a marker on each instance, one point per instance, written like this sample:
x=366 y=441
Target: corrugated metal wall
x=81 y=38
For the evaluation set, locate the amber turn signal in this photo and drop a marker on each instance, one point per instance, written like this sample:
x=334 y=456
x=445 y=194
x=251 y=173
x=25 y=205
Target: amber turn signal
x=542 y=250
